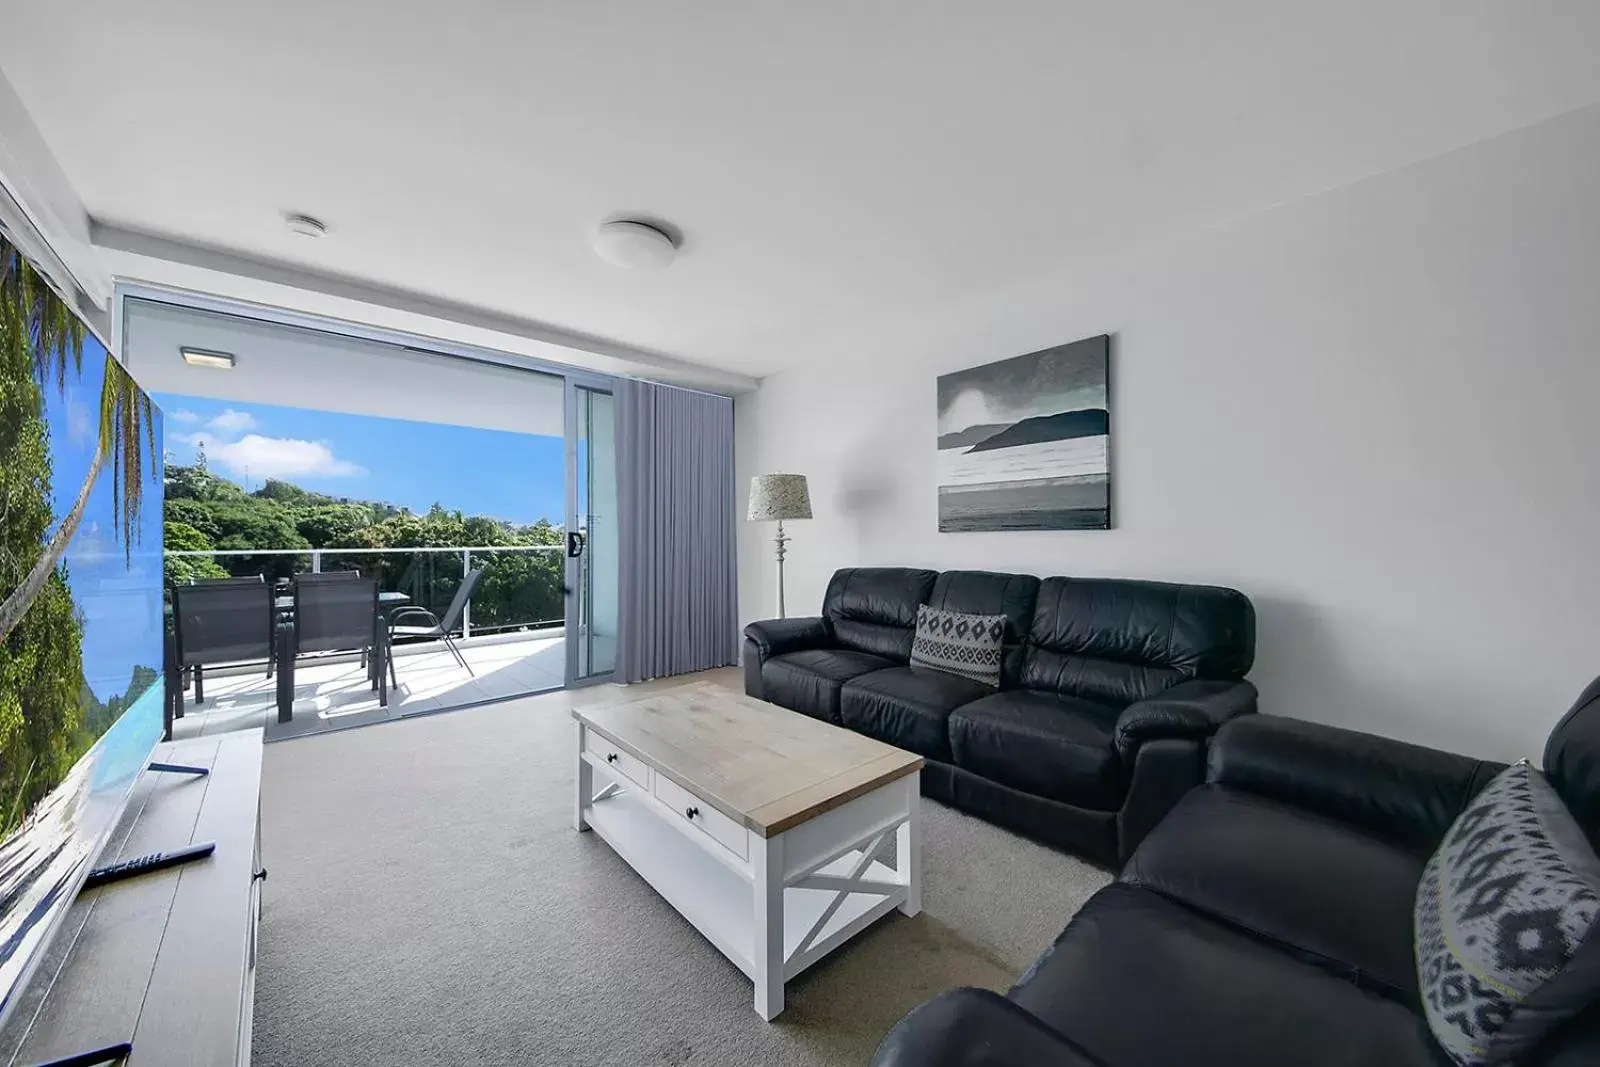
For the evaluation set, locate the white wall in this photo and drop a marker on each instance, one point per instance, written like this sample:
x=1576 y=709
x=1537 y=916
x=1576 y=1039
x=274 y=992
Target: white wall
x=1374 y=411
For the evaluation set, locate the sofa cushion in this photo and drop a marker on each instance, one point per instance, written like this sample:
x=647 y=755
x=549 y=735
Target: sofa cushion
x=1119 y=641
x=809 y=681
x=992 y=593
x=874 y=609
x=958 y=643
x=1286 y=875
x=1140 y=979
x=908 y=707
x=1506 y=914
x=1057 y=747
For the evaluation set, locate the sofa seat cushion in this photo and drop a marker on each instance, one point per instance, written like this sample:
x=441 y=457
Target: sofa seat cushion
x=1337 y=897
x=1206 y=995
x=1051 y=746
x=809 y=681
x=908 y=707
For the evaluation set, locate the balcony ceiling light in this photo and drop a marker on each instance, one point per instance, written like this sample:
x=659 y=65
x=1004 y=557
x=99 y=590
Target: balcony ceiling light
x=200 y=357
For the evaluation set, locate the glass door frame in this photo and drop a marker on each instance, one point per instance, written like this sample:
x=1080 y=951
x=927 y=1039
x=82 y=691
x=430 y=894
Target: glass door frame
x=575 y=572
x=573 y=378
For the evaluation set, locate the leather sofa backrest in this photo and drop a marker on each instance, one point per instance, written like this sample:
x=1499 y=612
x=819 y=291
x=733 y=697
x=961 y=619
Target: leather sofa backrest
x=1119 y=641
x=874 y=609
x=989 y=593
x=1572 y=761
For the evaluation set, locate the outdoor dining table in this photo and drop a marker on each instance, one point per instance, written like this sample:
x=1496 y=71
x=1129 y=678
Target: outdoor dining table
x=385 y=601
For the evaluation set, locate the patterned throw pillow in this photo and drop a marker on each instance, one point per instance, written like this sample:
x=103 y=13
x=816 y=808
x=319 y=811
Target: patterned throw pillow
x=968 y=645
x=1504 y=914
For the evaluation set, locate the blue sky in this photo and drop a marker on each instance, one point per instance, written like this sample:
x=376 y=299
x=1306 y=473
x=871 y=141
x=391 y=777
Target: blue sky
x=119 y=598
x=520 y=478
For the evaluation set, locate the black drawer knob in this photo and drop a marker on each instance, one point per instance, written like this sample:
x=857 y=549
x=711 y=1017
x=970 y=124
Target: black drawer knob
x=691 y=812
x=611 y=757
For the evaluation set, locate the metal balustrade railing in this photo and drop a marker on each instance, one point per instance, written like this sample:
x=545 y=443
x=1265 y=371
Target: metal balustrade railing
x=521 y=587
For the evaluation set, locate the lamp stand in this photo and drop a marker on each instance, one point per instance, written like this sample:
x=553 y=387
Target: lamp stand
x=782 y=540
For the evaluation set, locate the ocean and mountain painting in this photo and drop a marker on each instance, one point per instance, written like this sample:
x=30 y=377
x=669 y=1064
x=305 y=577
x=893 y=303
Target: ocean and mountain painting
x=1024 y=444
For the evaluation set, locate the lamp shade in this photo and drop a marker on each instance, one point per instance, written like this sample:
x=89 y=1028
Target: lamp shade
x=779 y=496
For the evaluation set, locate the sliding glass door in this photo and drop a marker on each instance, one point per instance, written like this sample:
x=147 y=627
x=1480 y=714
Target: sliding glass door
x=593 y=543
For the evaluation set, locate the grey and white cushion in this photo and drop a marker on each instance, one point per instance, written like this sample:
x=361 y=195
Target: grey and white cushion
x=952 y=641
x=1505 y=922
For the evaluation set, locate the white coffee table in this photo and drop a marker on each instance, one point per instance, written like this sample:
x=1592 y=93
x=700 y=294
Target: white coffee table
x=762 y=826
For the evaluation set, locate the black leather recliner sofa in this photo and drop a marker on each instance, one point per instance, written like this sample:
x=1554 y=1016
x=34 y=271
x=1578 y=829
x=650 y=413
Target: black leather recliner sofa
x=1267 y=921
x=1109 y=691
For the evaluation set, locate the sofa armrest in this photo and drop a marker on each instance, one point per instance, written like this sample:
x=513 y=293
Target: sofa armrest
x=774 y=637
x=1194 y=710
x=976 y=1028
x=1391 y=788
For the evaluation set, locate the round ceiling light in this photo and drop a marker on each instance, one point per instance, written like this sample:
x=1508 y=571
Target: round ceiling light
x=305 y=225
x=635 y=245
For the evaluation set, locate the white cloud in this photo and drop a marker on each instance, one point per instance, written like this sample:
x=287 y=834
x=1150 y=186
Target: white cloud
x=92 y=544
x=183 y=416
x=81 y=428
x=274 y=457
x=231 y=422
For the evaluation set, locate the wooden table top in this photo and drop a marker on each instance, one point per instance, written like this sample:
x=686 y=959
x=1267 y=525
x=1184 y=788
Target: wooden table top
x=765 y=766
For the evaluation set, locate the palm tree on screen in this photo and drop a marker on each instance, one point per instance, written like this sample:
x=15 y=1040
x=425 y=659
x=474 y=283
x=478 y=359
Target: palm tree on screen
x=33 y=315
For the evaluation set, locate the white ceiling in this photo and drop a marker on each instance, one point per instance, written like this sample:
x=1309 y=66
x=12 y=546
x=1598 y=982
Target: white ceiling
x=833 y=164
x=303 y=368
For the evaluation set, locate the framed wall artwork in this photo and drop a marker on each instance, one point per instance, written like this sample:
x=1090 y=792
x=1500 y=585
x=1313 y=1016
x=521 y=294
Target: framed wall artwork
x=1025 y=443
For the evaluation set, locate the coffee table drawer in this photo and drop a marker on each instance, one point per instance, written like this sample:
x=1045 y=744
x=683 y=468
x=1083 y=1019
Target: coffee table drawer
x=616 y=759
x=703 y=817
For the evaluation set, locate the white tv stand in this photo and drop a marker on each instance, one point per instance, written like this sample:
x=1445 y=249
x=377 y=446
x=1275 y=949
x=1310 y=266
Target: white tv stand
x=165 y=960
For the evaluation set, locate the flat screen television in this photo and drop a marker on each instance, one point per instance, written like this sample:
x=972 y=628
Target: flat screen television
x=81 y=618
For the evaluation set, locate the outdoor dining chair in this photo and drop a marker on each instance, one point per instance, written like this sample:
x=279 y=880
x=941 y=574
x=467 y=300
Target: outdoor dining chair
x=328 y=576
x=220 y=620
x=339 y=616
x=425 y=623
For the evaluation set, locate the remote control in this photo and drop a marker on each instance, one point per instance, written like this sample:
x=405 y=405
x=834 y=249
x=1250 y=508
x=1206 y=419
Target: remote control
x=144 y=864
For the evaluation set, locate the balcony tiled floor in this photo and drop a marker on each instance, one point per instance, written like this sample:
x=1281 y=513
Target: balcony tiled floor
x=336 y=695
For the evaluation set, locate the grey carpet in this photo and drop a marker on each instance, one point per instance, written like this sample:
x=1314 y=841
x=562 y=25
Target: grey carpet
x=428 y=902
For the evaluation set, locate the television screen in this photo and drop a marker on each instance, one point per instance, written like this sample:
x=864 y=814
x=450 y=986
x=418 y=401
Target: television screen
x=81 y=625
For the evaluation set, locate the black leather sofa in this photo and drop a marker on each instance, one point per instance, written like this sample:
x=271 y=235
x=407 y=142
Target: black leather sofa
x=1109 y=690
x=1267 y=921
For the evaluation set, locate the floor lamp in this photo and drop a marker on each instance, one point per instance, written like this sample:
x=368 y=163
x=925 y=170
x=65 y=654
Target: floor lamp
x=780 y=497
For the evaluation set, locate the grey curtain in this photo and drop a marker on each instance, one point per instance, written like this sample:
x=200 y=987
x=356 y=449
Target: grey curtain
x=678 y=594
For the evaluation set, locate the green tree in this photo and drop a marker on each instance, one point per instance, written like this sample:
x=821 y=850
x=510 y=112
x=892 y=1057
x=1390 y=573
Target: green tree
x=195 y=482
x=325 y=524
x=518 y=588
x=41 y=662
x=37 y=325
x=177 y=536
x=245 y=523
x=285 y=492
x=191 y=512
x=543 y=532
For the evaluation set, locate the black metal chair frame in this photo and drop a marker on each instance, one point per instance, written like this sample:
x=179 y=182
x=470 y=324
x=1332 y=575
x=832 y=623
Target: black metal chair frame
x=437 y=627
x=183 y=668
x=290 y=637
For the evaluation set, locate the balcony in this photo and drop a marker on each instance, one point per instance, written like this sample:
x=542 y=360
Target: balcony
x=510 y=633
